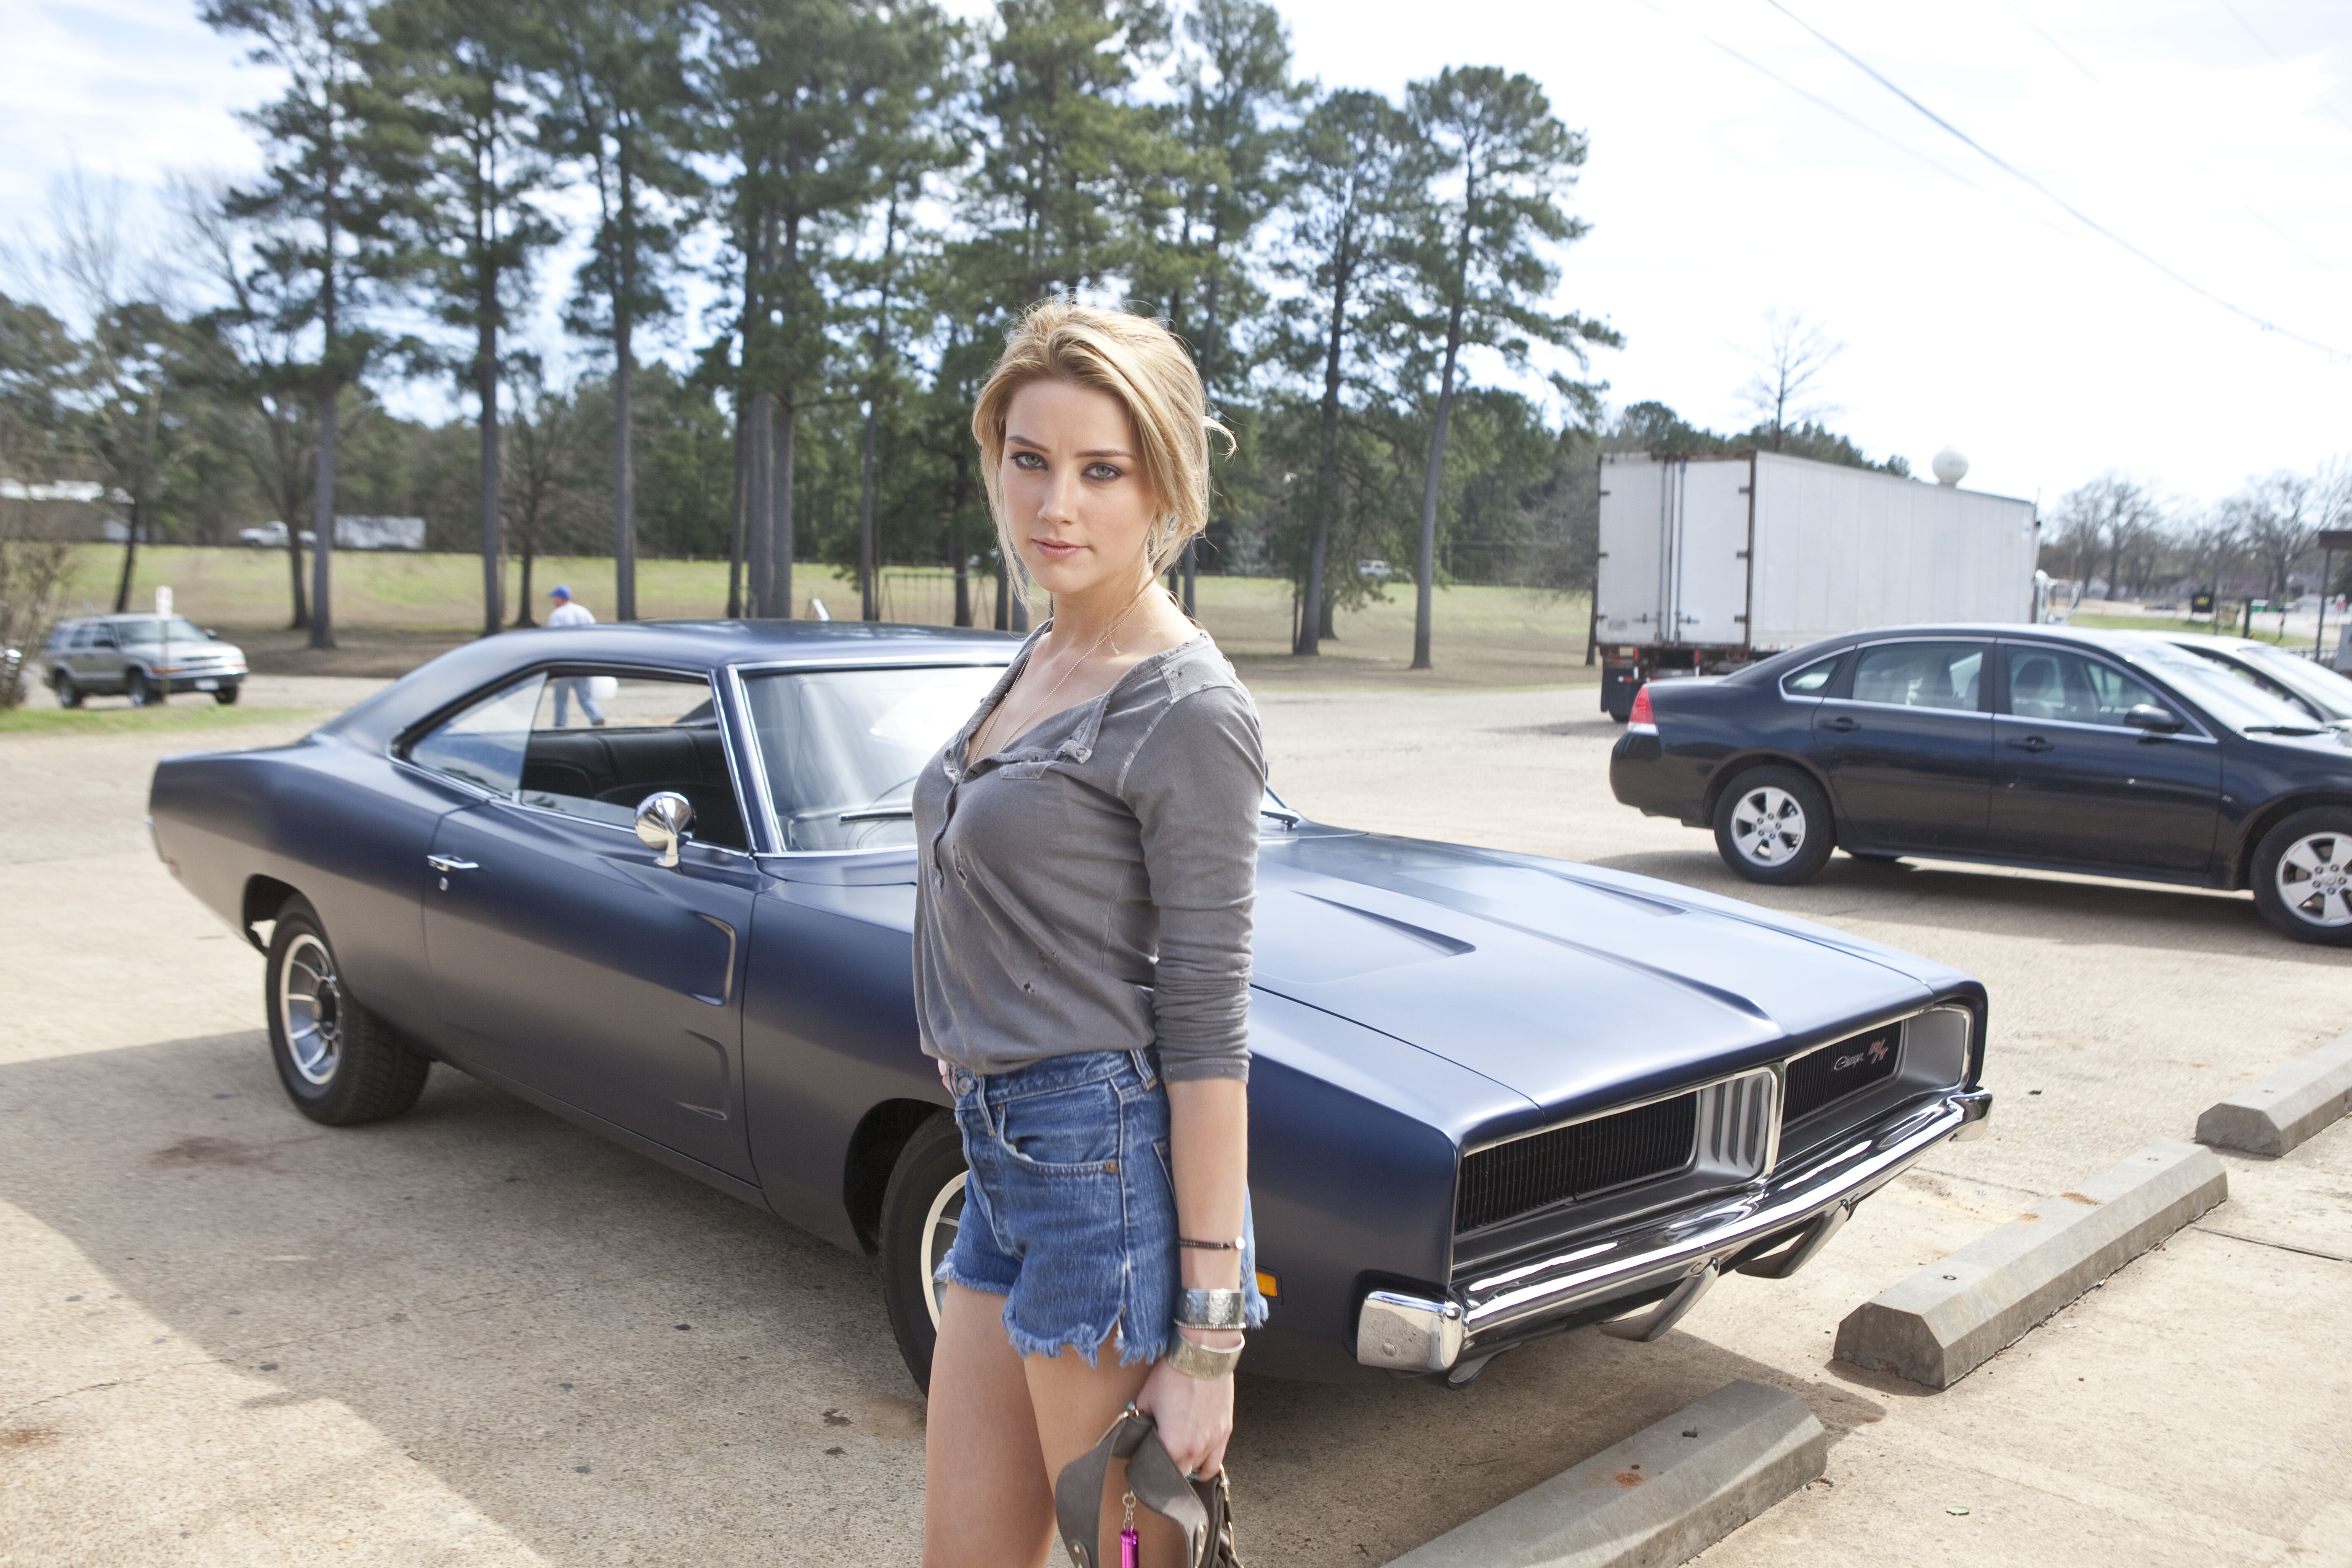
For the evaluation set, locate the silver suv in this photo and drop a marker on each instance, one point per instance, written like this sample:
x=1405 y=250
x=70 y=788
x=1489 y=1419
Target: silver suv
x=140 y=657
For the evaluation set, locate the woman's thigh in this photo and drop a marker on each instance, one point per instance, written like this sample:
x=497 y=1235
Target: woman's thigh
x=1074 y=1405
x=988 y=1501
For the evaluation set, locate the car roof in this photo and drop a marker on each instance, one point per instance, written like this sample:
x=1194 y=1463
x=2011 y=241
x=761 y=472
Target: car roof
x=698 y=647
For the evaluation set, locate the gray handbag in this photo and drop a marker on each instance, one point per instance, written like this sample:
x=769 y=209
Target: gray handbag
x=1202 y=1510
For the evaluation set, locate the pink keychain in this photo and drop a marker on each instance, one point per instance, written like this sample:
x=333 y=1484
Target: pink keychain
x=1129 y=1554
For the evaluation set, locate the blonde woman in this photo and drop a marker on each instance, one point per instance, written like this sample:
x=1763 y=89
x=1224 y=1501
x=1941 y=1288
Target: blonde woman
x=1088 y=851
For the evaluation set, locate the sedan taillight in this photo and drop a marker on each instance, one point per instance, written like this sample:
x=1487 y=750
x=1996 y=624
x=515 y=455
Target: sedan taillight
x=1642 y=713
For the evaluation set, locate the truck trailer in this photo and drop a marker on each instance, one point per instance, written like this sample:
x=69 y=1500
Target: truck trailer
x=1708 y=562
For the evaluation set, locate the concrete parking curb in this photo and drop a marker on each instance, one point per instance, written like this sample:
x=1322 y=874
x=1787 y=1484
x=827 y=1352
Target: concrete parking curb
x=2284 y=1108
x=1951 y=1317
x=1659 y=1497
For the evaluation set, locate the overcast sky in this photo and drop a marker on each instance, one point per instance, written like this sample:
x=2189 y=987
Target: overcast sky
x=2213 y=135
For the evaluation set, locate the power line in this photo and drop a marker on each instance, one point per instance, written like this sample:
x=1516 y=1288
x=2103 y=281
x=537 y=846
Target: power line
x=1816 y=100
x=2005 y=166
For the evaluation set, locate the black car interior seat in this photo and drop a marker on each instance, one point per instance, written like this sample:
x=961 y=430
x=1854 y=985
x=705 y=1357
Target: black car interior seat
x=617 y=767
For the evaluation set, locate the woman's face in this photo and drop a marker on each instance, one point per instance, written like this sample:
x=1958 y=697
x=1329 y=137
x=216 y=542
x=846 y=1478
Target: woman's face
x=1079 y=509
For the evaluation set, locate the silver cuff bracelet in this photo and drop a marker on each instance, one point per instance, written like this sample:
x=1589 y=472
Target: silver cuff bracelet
x=1199 y=1361
x=1211 y=1309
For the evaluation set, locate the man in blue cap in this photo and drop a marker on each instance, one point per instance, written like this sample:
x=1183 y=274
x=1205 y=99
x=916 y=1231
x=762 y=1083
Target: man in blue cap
x=569 y=611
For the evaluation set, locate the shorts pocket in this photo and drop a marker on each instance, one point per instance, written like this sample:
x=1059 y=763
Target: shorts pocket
x=1072 y=1132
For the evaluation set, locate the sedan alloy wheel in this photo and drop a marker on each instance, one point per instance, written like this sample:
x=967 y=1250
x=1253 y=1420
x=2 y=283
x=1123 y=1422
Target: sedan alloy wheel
x=1772 y=824
x=2301 y=875
x=1768 y=826
x=2315 y=878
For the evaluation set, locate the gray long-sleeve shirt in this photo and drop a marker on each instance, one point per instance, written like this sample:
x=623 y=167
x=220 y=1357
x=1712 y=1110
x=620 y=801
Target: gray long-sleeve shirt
x=1089 y=888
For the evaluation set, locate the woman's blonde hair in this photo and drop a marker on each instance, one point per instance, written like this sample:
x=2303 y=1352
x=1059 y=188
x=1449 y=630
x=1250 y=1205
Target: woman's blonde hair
x=1142 y=364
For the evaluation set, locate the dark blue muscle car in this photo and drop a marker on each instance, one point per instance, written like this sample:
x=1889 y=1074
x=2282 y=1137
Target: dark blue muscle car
x=658 y=880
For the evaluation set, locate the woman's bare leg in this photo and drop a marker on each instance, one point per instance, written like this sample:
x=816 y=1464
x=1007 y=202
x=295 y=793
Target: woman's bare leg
x=989 y=1501
x=1074 y=1405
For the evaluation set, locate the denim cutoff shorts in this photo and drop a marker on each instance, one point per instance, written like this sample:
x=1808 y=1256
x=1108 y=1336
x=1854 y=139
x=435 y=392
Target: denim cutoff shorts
x=1070 y=1213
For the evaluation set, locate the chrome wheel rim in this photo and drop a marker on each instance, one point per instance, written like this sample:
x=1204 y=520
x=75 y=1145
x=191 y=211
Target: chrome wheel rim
x=310 y=1009
x=1768 y=826
x=939 y=1227
x=2315 y=878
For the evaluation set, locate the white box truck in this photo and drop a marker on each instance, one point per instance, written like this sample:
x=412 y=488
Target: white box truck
x=1707 y=563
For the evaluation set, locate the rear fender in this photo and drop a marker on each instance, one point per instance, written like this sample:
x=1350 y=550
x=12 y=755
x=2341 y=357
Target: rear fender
x=1731 y=767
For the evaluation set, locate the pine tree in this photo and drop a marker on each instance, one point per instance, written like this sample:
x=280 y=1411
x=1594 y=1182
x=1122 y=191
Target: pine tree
x=1495 y=164
x=622 y=111
x=323 y=208
x=463 y=76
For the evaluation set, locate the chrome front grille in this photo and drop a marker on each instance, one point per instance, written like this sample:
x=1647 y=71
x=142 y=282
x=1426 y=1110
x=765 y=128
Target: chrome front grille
x=1822 y=1078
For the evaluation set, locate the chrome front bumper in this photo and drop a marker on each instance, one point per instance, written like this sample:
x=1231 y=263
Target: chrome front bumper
x=1806 y=1203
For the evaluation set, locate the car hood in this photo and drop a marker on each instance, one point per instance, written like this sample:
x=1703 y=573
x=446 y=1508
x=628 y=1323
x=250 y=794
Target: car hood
x=1568 y=984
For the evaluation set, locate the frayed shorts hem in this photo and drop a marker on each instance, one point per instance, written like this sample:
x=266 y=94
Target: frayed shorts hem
x=1084 y=1341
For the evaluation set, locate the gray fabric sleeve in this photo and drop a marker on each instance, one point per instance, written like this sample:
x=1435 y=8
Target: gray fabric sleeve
x=1195 y=785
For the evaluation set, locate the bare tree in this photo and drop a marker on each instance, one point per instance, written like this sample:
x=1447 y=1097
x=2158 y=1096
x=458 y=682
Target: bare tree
x=1784 y=391
x=2113 y=518
x=127 y=386
x=2279 y=517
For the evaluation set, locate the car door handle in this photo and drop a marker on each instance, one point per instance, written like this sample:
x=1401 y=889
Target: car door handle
x=447 y=863
x=1841 y=724
x=2031 y=743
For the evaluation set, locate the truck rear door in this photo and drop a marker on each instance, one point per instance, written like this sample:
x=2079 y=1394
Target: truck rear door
x=1674 y=544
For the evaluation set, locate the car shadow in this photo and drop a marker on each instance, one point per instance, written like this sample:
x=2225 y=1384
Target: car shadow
x=1940 y=895
x=598 y=1355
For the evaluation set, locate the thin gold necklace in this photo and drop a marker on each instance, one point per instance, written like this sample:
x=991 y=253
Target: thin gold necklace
x=1039 y=706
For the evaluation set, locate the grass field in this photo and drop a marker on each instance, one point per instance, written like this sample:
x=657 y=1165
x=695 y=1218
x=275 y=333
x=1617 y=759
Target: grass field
x=393 y=611
x=194 y=714
x=2230 y=628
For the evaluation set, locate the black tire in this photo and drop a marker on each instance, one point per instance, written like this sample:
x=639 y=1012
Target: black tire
x=2310 y=855
x=138 y=689
x=920 y=1208
x=227 y=695
x=1793 y=814
x=68 y=691
x=341 y=1064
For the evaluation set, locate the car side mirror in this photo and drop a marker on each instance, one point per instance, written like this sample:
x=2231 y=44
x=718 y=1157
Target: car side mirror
x=661 y=822
x=2148 y=716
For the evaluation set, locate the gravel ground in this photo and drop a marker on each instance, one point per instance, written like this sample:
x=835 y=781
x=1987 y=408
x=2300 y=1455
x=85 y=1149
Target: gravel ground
x=477 y=1335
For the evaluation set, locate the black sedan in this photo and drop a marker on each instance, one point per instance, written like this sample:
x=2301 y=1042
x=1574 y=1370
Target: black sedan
x=2115 y=753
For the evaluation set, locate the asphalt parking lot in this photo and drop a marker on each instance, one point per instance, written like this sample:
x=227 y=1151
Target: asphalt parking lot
x=477 y=1335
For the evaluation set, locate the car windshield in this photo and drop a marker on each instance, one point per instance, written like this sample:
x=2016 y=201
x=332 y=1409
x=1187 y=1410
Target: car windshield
x=151 y=628
x=842 y=747
x=2229 y=700
x=2314 y=683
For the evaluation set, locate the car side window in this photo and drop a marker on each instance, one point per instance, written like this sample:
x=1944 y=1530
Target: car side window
x=1813 y=680
x=483 y=746
x=600 y=744
x=2054 y=684
x=1921 y=675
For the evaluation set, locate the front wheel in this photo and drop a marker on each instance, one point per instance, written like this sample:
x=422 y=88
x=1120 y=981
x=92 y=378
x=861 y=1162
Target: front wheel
x=138 y=689
x=921 y=1208
x=225 y=695
x=2303 y=875
x=341 y=1064
x=68 y=692
x=1772 y=826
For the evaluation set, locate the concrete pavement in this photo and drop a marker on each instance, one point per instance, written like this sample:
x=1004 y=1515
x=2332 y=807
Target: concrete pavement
x=228 y=1336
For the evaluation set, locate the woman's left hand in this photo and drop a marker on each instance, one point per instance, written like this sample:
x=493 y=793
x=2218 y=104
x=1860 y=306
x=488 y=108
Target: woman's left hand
x=1194 y=1414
